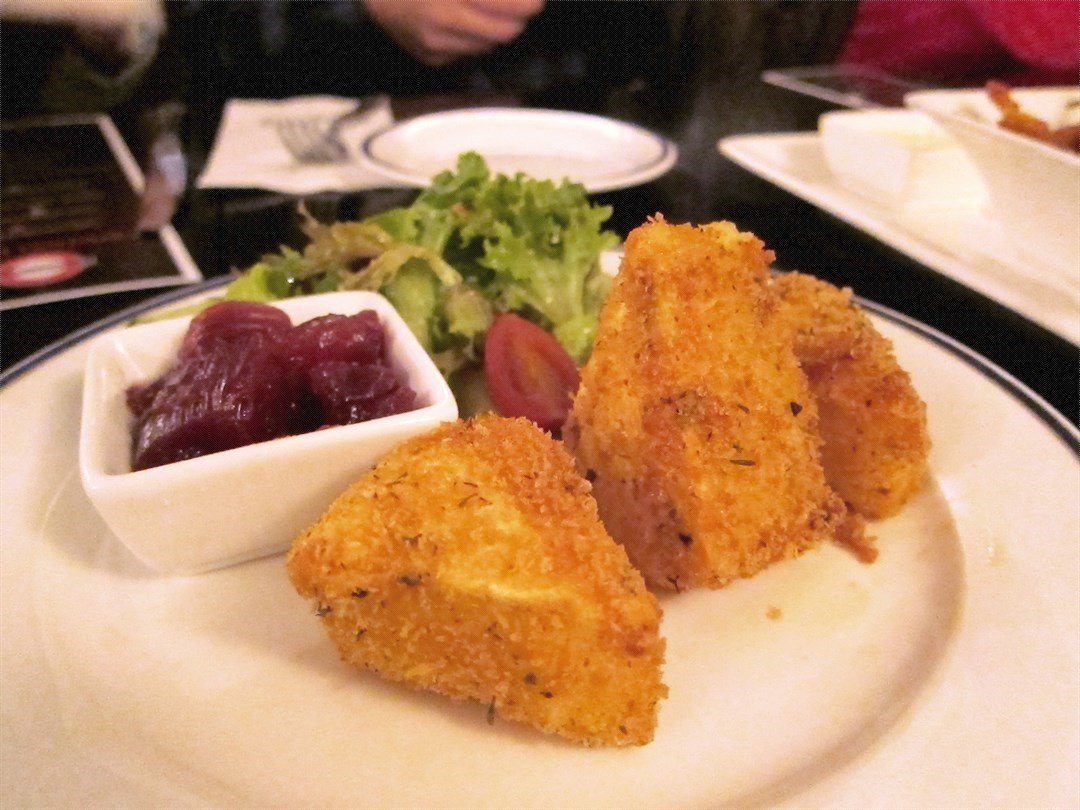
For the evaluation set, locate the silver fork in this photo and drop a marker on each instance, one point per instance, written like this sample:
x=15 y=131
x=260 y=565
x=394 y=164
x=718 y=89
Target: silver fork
x=312 y=140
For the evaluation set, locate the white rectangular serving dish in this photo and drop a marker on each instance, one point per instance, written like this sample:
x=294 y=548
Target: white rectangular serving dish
x=899 y=158
x=236 y=505
x=1033 y=187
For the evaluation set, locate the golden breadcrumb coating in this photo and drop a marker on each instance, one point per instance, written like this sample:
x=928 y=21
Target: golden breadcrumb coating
x=471 y=561
x=693 y=419
x=872 y=421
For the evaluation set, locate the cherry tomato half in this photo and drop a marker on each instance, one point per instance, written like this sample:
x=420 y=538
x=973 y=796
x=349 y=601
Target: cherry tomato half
x=528 y=372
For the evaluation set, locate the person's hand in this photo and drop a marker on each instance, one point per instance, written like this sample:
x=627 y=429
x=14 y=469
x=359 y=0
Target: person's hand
x=438 y=32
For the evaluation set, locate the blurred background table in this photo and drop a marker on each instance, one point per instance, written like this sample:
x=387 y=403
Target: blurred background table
x=225 y=230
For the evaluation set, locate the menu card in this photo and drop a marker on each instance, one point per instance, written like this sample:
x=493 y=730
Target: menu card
x=69 y=204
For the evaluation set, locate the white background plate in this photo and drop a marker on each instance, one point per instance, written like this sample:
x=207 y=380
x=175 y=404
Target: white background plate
x=1033 y=187
x=796 y=163
x=947 y=674
x=600 y=153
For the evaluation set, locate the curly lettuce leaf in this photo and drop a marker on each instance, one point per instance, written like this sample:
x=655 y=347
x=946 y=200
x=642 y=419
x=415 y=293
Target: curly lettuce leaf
x=529 y=246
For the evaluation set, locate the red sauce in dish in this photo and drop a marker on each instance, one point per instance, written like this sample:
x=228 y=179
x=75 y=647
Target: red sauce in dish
x=245 y=374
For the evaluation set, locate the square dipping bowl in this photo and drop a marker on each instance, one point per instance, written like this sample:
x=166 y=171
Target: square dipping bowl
x=235 y=505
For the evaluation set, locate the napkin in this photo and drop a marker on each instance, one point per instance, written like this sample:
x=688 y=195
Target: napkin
x=247 y=152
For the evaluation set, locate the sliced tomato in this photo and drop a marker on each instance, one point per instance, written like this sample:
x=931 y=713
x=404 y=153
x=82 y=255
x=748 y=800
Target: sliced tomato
x=528 y=372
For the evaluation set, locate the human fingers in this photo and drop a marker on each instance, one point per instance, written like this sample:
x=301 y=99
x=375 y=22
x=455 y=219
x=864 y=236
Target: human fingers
x=438 y=33
x=496 y=19
x=472 y=27
x=495 y=22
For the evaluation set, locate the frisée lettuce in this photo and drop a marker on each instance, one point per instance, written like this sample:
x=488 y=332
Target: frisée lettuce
x=528 y=246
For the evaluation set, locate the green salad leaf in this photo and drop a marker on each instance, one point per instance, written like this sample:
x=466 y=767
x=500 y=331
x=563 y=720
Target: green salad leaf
x=529 y=246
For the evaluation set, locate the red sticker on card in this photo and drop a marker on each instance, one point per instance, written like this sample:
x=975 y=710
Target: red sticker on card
x=41 y=269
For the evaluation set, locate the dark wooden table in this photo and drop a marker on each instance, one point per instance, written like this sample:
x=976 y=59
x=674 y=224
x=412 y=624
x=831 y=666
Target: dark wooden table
x=226 y=230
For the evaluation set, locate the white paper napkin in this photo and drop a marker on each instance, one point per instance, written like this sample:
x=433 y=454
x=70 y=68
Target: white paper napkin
x=247 y=152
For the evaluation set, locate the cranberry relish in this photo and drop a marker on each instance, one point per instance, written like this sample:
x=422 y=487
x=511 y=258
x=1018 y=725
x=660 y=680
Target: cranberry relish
x=245 y=374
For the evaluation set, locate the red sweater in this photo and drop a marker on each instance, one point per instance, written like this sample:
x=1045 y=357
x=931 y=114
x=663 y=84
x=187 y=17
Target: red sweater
x=1035 y=41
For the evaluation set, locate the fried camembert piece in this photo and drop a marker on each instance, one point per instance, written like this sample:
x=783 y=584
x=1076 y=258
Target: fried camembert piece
x=693 y=419
x=471 y=562
x=872 y=421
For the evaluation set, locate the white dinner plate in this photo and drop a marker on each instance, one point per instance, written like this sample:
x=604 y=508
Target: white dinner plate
x=601 y=153
x=957 y=241
x=946 y=674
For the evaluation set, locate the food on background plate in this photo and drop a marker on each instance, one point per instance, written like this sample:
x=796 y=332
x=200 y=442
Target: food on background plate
x=693 y=420
x=245 y=374
x=471 y=562
x=875 y=441
x=1063 y=134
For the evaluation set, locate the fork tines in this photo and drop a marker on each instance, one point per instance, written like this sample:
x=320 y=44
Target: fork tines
x=309 y=140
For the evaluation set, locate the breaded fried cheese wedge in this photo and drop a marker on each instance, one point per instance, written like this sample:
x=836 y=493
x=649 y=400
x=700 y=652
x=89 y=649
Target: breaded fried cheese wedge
x=471 y=562
x=693 y=419
x=871 y=419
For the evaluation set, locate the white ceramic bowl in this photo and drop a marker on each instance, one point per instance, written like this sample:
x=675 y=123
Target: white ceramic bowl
x=900 y=159
x=1033 y=188
x=235 y=505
